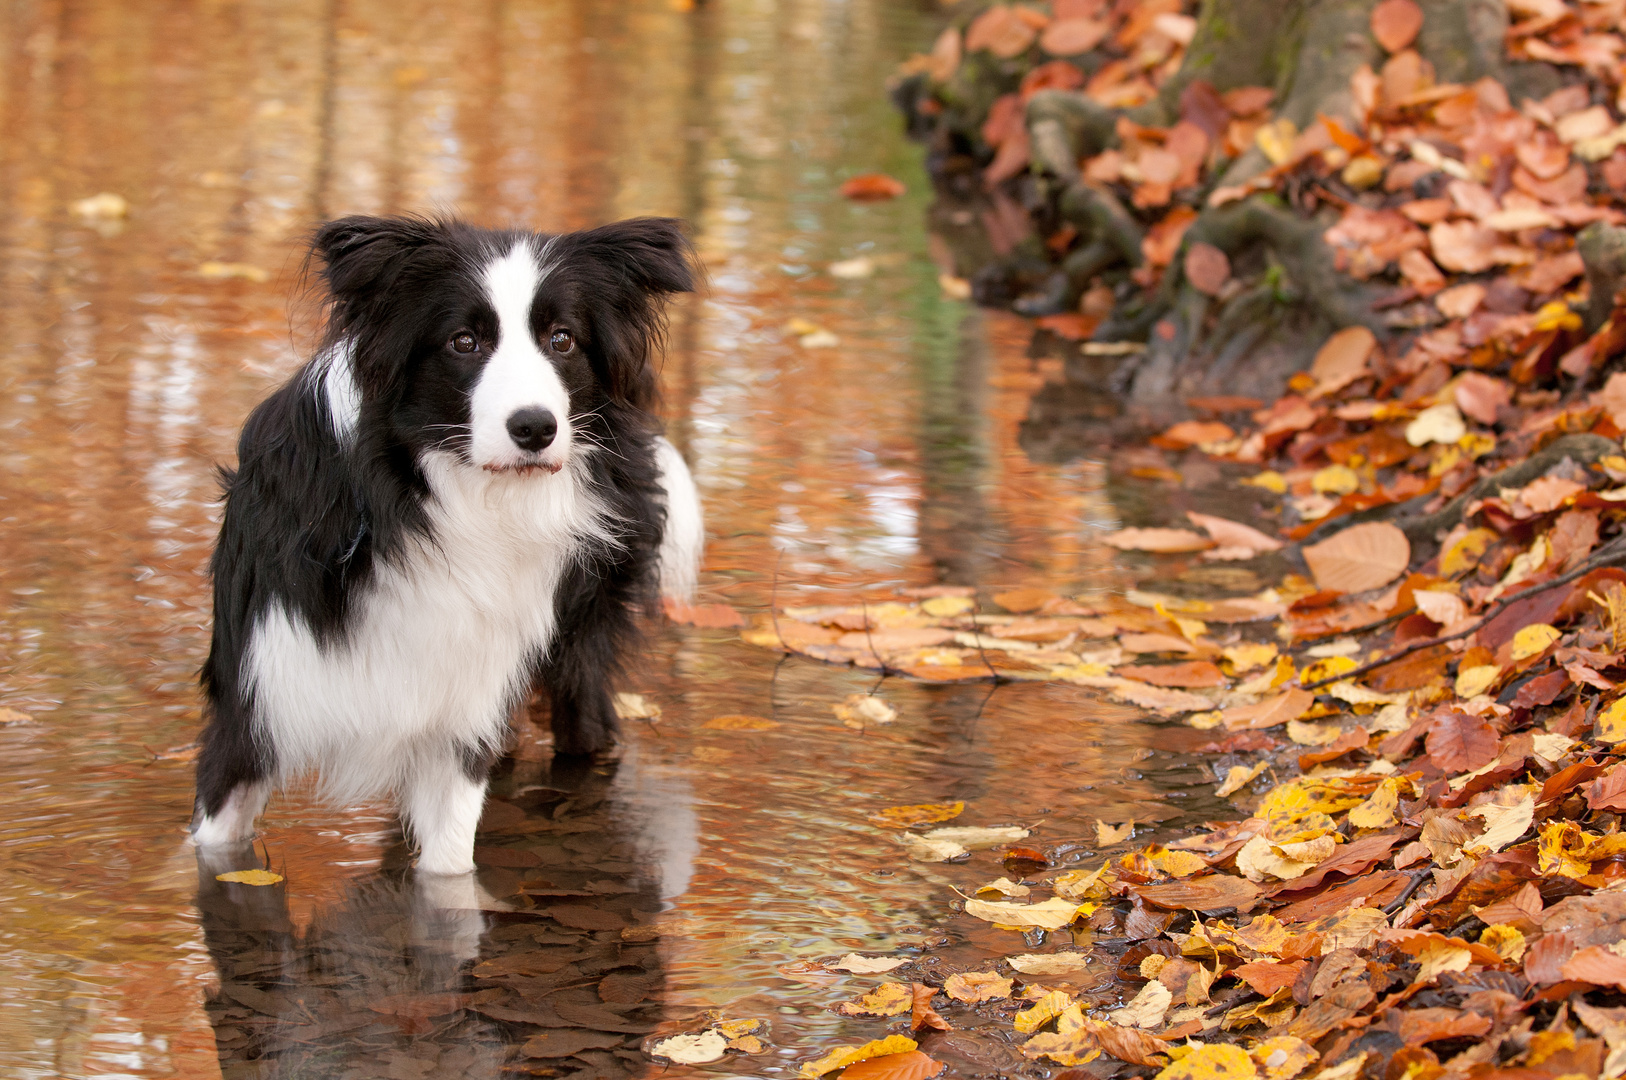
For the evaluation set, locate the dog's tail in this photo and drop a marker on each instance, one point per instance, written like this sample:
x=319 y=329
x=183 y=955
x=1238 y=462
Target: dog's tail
x=684 y=540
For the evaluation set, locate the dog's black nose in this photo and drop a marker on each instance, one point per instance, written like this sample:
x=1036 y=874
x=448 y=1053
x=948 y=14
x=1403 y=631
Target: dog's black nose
x=532 y=429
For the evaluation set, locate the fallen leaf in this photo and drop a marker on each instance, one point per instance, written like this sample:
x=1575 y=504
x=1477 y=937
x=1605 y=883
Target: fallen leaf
x=1191 y=673
x=695 y=1049
x=947 y=607
x=976 y=986
x=1107 y=835
x=1283 y=1057
x=1161 y=541
x=1229 y=533
x=1395 y=24
x=103 y=206
x=1212 y=1061
x=975 y=836
x=872 y=186
x=1459 y=742
x=1211 y=893
x=1600 y=965
x=566 y=1042
x=843 y=1056
x=1147 y=1008
x=1533 y=640
x=1440 y=423
x=888 y=999
x=867 y=965
x=250 y=877
x=1342 y=359
x=925 y=849
x=1053 y=914
x=910 y=1065
x=1360 y=558
x=1061 y=963
x=1288 y=705
x=706 y=616
x=636 y=707
x=224 y=271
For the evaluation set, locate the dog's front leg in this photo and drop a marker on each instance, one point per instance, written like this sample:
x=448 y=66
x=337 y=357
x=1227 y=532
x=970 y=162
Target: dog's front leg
x=441 y=802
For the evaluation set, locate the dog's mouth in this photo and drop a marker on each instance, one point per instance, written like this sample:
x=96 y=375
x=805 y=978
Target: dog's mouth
x=548 y=467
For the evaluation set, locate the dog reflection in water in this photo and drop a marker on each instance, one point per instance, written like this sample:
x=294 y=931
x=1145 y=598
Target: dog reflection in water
x=424 y=975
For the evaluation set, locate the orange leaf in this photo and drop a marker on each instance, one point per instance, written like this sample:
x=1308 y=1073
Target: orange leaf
x=1360 y=558
x=1345 y=138
x=1395 y=24
x=1288 y=705
x=871 y=186
x=1194 y=433
x=1069 y=37
x=922 y=1015
x=1190 y=673
x=1162 y=541
x=913 y=1065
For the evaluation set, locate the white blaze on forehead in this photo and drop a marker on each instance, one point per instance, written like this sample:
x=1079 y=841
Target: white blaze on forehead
x=518 y=375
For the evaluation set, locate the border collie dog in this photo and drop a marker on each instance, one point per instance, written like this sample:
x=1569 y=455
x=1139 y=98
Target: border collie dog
x=462 y=496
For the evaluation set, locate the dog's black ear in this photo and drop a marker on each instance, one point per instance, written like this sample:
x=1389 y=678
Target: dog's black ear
x=361 y=255
x=631 y=267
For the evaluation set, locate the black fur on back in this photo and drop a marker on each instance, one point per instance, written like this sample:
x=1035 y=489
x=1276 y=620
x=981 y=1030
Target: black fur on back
x=311 y=511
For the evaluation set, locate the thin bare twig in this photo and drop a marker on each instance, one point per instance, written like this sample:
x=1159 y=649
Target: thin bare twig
x=1614 y=551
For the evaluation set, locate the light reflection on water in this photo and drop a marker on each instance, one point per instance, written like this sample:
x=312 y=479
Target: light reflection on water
x=125 y=371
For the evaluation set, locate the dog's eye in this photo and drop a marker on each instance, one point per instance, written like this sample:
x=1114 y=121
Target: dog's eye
x=464 y=342
x=561 y=341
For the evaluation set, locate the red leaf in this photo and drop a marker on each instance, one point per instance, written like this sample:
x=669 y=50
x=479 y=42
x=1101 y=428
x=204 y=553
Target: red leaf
x=1458 y=742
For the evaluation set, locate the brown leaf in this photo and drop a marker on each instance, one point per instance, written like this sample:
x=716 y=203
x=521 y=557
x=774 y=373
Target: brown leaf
x=1162 y=541
x=1211 y=893
x=1207 y=268
x=922 y=1015
x=1128 y=1044
x=565 y=1042
x=1288 y=705
x=706 y=616
x=1025 y=601
x=1598 y=965
x=913 y=1065
x=1608 y=792
x=1480 y=396
x=1268 y=976
x=870 y=187
x=1228 y=533
x=1360 y=558
x=1190 y=673
x=581 y=917
x=999 y=30
x=1418 y=1026
x=1395 y=24
x=1342 y=359
x=1069 y=37
x=1546 y=958
x=1458 y=742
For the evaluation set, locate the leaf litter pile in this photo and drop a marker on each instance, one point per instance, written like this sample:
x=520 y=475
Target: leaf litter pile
x=1419 y=725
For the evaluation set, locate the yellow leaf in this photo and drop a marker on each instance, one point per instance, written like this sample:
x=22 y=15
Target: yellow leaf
x=1441 y=423
x=1213 y=1061
x=1557 y=316
x=1275 y=140
x=842 y=1056
x=1180 y=863
x=1270 y=480
x=1107 y=835
x=1504 y=940
x=1379 y=809
x=1247 y=657
x=738 y=1029
x=1283 y=1057
x=1331 y=667
x=1533 y=640
x=1475 y=680
x=220 y=271
x=250 y=877
x=1611 y=724
x=1043 y=1011
x=946 y=607
x=901 y=817
x=1270 y=678
x=1463 y=555
x=1476 y=444
x=1559 y=849
x=1081 y=885
x=1236 y=778
x=1053 y=914
x=888 y=999
x=1335 y=480
x=1302 y=796
x=1190 y=629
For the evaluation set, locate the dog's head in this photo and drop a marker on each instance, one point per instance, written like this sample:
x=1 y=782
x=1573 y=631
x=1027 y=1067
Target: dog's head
x=495 y=346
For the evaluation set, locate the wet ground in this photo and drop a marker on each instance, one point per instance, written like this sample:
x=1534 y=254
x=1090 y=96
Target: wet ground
x=700 y=870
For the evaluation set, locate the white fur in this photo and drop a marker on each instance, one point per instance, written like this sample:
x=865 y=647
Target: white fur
x=435 y=655
x=338 y=389
x=518 y=375
x=235 y=822
x=684 y=541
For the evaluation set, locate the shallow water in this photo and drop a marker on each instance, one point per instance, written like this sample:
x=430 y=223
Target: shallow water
x=131 y=350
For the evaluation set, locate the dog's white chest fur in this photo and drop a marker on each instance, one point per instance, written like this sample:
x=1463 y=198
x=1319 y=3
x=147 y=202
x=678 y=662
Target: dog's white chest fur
x=438 y=640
